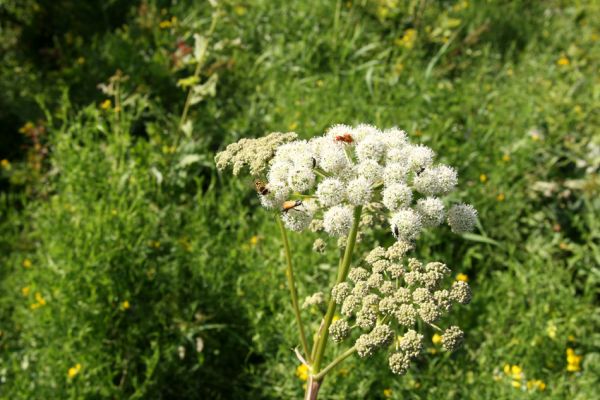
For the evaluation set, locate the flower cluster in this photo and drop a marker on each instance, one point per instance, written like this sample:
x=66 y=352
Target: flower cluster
x=254 y=153
x=387 y=296
x=353 y=166
x=327 y=183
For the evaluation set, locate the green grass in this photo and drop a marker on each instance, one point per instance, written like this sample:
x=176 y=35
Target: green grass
x=130 y=209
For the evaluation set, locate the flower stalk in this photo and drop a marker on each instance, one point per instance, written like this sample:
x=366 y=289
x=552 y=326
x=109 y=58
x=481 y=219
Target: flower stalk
x=341 y=277
x=289 y=273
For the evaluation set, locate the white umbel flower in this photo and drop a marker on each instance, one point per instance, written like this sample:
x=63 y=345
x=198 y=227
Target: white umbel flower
x=301 y=179
x=371 y=147
x=337 y=221
x=432 y=211
x=395 y=172
x=339 y=130
x=359 y=191
x=279 y=172
x=397 y=196
x=462 y=218
x=296 y=220
x=406 y=224
x=332 y=158
x=370 y=170
x=276 y=196
x=330 y=192
x=363 y=130
x=395 y=138
x=420 y=156
x=438 y=180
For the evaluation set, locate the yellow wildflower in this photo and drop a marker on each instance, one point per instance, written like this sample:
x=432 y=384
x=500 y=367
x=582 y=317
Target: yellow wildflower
x=573 y=361
x=239 y=10
x=165 y=24
x=506 y=369
x=5 y=164
x=25 y=291
x=27 y=127
x=500 y=197
x=551 y=330
x=506 y=157
x=387 y=393
x=27 y=263
x=125 y=305
x=563 y=61
x=436 y=339
x=536 y=384
x=516 y=384
x=483 y=178
x=106 y=104
x=73 y=371
x=335 y=318
x=39 y=298
x=462 y=277
x=516 y=371
x=302 y=372
x=254 y=240
x=292 y=126
x=408 y=40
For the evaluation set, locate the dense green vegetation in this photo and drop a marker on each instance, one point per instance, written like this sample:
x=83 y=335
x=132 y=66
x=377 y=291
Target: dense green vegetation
x=131 y=269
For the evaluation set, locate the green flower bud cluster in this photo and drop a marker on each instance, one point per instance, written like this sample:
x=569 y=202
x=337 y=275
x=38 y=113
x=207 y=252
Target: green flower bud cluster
x=387 y=295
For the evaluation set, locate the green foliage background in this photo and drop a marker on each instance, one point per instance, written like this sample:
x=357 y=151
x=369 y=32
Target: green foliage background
x=124 y=251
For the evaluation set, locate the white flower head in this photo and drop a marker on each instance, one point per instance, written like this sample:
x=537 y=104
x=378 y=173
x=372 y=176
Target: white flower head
x=277 y=194
x=438 y=180
x=363 y=130
x=395 y=138
x=332 y=158
x=419 y=156
x=301 y=178
x=397 y=196
x=395 y=172
x=359 y=191
x=340 y=130
x=296 y=220
x=370 y=170
x=279 y=172
x=337 y=221
x=431 y=210
x=372 y=147
x=406 y=224
x=330 y=192
x=462 y=218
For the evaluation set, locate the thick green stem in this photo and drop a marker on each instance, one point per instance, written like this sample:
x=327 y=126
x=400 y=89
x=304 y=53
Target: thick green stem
x=341 y=277
x=335 y=362
x=289 y=273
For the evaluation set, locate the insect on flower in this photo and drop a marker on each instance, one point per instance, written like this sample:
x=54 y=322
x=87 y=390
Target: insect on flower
x=261 y=187
x=290 y=205
x=346 y=138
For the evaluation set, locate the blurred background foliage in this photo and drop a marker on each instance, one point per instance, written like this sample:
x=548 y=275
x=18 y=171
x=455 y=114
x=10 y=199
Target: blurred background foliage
x=132 y=269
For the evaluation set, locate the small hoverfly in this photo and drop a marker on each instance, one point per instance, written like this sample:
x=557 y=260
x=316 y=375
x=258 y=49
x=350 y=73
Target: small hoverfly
x=290 y=205
x=396 y=231
x=420 y=171
x=261 y=187
x=346 y=138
